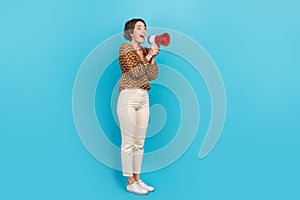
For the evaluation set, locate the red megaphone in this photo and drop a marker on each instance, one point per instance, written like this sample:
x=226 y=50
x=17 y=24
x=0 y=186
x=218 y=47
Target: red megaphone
x=163 y=39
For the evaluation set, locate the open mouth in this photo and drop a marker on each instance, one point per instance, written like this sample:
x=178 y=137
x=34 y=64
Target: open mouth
x=142 y=36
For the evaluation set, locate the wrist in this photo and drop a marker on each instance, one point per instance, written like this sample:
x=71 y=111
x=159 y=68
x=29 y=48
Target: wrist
x=148 y=57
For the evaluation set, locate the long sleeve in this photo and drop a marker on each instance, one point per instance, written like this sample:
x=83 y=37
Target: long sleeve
x=136 y=72
x=129 y=63
x=151 y=71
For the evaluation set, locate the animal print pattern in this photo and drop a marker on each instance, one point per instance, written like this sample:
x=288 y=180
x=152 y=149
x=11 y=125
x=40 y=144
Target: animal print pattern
x=136 y=72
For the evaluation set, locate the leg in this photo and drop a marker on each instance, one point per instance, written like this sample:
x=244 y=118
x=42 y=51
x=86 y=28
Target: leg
x=126 y=114
x=142 y=118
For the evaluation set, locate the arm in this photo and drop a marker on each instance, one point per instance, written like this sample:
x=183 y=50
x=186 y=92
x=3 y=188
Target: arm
x=151 y=71
x=152 y=68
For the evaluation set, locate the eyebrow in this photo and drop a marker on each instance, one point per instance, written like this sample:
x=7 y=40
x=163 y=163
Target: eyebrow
x=139 y=26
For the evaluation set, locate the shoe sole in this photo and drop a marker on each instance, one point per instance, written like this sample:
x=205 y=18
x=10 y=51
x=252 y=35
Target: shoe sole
x=137 y=192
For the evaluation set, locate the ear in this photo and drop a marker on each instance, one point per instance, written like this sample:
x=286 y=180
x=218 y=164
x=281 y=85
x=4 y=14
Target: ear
x=131 y=34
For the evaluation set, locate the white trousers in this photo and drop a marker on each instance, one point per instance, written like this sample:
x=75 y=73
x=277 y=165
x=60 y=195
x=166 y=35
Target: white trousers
x=133 y=115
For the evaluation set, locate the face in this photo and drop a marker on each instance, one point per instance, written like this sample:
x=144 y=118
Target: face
x=139 y=32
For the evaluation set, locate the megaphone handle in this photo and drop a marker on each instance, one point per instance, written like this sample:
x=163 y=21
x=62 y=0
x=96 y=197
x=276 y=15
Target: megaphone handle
x=155 y=48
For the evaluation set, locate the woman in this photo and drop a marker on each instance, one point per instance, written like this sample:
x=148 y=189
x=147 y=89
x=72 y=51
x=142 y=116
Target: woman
x=138 y=68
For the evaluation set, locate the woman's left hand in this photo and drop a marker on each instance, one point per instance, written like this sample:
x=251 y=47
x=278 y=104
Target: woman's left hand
x=154 y=51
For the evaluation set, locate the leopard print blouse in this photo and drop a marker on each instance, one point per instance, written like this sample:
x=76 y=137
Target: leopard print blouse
x=136 y=72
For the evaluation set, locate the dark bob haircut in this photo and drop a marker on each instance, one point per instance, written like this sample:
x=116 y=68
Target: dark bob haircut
x=129 y=26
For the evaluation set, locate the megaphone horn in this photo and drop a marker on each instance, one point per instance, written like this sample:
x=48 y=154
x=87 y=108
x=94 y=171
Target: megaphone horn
x=163 y=39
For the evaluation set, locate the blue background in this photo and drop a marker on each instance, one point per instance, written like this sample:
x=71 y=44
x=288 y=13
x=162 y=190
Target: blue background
x=255 y=45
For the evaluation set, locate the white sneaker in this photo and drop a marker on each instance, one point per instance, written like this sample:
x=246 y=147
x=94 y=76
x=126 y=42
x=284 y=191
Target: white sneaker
x=145 y=186
x=136 y=188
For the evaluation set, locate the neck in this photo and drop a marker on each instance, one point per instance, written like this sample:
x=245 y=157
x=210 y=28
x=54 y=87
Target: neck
x=135 y=44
